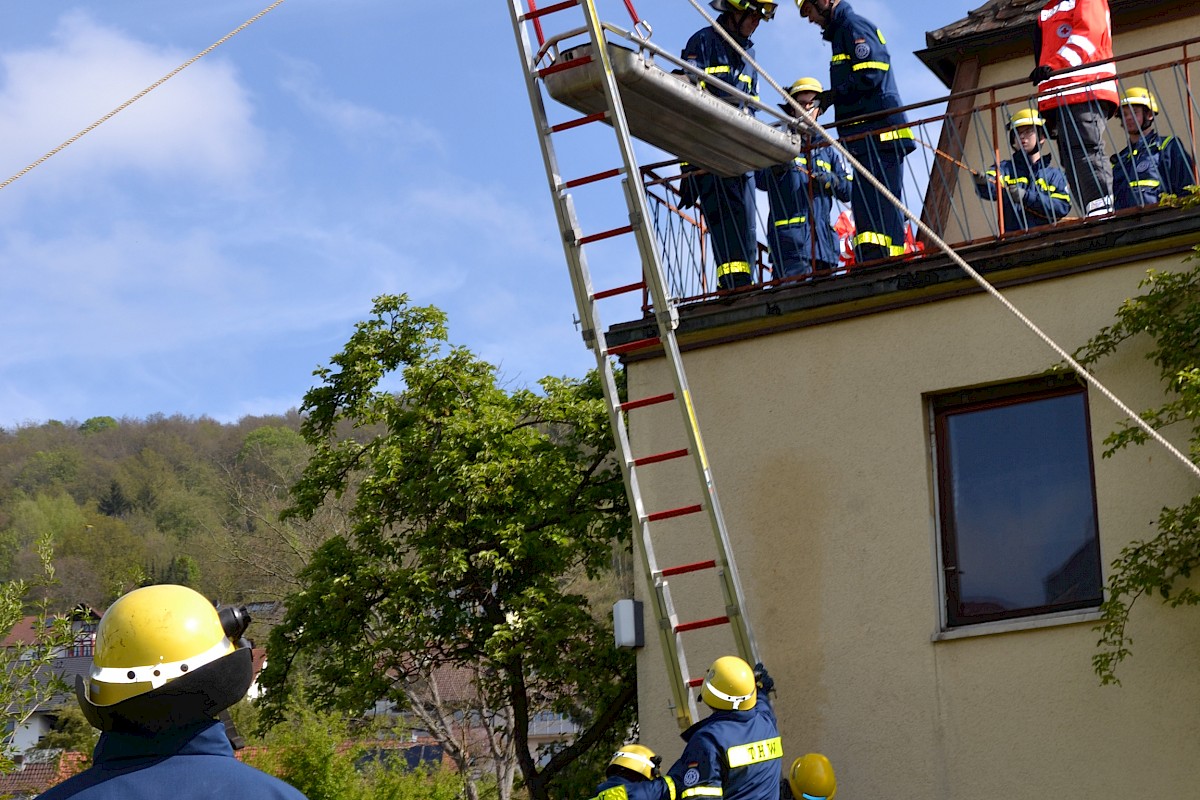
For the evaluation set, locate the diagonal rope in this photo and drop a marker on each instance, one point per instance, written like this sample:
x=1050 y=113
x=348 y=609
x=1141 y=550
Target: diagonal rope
x=956 y=258
x=142 y=93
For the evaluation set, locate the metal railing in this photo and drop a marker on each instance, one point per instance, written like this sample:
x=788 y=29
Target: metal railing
x=957 y=137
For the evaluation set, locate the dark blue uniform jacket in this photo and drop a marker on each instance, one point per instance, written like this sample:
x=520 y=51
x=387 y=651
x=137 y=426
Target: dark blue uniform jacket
x=1144 y=172
x=735 y=755
x=183 y=764
x=707 y=50
x=795 y=215
x=860 y=77
x=1046 y=198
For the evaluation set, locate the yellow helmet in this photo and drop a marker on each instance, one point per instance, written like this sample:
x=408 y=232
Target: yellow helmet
x=151 y=636
x=805 y=85
x=1140 y=96
x=1024 y=118
x=637 y=758
x=764 y=8
x=161 y=635
x=811 y=778
x=729 y=685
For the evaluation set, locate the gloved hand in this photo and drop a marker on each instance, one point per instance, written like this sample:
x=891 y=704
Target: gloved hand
x=824 y=100
x=762 y=679
x=1016 y=193
x=821 y=178
x=981 y=181
x=1039 y=74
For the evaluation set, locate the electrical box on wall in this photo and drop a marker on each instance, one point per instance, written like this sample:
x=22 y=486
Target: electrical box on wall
x=627 y=623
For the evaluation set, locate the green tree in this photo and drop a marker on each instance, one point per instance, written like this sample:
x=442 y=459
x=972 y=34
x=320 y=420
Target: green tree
x=474 y=511
x=1168 y=311
x=71 y=731
x=28 y=679
x=98 y=425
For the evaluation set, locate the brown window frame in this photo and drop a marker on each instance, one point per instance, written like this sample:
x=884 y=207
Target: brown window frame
x=942 y=407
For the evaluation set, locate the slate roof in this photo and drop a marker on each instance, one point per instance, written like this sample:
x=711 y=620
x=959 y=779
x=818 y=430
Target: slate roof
x=993 y=15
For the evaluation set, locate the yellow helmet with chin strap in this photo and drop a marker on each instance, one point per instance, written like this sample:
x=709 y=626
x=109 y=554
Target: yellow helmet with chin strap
x=637 y=758
x=812 y=778
x=729 y=685
x=1140 y=96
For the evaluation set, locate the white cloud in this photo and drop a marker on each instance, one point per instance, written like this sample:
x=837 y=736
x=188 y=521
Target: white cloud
x=404 y=136
x=197 y=125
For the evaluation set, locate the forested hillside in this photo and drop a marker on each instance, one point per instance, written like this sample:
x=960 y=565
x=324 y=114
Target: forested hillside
x=174 y=499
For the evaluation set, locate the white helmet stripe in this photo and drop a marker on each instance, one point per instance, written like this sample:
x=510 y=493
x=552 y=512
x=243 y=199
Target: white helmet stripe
x=735 y=699
x=639 y=758
x=158 y=674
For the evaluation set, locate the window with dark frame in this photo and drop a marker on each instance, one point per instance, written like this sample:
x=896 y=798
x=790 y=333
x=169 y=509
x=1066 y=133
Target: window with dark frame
x=1017 y=501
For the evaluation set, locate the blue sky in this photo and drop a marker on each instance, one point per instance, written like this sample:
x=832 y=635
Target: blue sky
x=205 y=250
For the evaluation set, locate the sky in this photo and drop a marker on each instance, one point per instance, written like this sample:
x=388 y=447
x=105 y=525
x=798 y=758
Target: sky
x=202 y=252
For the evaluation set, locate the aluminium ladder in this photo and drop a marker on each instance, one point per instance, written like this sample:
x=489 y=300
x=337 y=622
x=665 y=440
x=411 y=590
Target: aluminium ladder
x=666 y=318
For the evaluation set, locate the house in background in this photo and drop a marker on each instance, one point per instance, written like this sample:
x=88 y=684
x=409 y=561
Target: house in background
x=68 y=662
x=921 y=517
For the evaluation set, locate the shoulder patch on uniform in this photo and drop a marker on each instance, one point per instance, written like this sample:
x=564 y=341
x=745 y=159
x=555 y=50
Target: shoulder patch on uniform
x=862 y=50
x=691 y=777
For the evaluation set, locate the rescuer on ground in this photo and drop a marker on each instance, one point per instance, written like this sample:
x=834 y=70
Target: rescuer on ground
x=165 y=664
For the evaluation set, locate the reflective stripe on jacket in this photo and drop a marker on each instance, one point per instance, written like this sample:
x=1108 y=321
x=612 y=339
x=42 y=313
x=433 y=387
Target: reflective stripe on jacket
x=733 y=755
x=1076 y=33
x=708 y=51
x=860 y=76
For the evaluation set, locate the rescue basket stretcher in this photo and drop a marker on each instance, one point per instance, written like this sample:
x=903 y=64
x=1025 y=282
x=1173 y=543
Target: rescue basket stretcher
x=672 y=113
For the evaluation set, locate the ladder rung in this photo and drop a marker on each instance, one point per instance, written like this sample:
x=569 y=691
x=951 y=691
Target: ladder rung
x=564 y=65
x=685 y=568
x=647 y=401
x=599 y=176
x=654 y=459
x=628 y=347
x=575 y=123
x=595 y=237
x=674 y=512
x=629 y=287
x=701 y=623
x=541 y=12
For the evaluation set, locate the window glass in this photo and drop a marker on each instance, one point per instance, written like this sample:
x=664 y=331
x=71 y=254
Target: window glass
x=1018 y=509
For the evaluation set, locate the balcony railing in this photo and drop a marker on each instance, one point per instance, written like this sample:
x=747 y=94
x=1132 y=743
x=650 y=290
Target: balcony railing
x=957 y=137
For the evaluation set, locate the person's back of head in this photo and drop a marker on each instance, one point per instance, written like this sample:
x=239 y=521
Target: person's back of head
x=634 y=763
x=729 y=685
x=165 y=658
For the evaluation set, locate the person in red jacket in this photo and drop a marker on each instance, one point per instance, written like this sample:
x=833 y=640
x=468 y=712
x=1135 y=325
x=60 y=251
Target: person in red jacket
x=1074 y=41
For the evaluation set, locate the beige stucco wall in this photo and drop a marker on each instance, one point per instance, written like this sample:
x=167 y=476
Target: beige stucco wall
x=974 y=218
x=820 y=444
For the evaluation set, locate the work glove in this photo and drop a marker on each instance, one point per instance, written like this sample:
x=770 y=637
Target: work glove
x=762 y=679
x=1039 y=74
x=824 y=100
x=822 y=178
x=981 y=181
x=1016 y=193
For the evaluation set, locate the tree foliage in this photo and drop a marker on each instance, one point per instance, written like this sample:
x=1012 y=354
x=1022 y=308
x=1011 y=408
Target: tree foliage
x=27 y=680
x=473 y=512
x=1168 y=312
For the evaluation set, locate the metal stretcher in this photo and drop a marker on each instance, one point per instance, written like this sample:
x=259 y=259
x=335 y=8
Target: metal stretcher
x=673 y=114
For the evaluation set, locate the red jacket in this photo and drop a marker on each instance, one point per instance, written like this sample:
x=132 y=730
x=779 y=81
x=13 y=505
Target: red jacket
x=1076 y=33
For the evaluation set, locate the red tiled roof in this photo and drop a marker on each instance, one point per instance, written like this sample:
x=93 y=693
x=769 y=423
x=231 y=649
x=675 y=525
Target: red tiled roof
x=24 y=632
x=33 y=779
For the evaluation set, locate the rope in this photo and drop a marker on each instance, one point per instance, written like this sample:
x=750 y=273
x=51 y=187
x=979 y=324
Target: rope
x=958 y=260
x=142 y=93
